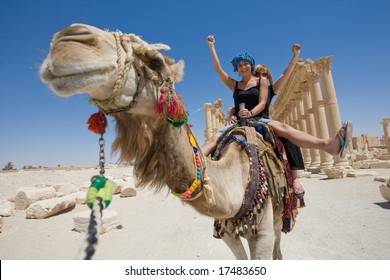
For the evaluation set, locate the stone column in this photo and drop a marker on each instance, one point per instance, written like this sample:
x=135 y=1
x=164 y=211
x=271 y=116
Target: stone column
x=330 y=102
x=213 y=120
x=295 y=115
x=311 y=156
x=386 y=134
x=303 y=127
x=219 y=121
x=319 y=118
x=207 y=111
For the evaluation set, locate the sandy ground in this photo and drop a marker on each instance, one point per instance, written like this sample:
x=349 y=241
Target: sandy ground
x=345 y=219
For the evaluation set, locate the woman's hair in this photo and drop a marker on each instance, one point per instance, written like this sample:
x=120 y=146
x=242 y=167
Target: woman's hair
x=242 y=57
x=260 y=67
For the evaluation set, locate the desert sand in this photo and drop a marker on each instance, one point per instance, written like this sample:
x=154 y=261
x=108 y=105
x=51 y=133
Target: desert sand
x=344 y=219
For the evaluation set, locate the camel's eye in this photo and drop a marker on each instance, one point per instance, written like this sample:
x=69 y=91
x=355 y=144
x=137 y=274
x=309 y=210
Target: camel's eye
x=156 y=64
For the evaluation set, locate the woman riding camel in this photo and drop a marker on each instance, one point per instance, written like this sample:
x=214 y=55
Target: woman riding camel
x=253 y=91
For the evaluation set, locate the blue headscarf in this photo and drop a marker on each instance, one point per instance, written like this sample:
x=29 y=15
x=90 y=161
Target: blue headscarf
x=242 y=57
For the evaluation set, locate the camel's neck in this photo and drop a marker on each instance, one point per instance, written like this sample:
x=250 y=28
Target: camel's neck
x=164 y=156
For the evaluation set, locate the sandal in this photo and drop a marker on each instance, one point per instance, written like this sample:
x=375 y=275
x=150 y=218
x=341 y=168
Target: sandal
x=344 y=141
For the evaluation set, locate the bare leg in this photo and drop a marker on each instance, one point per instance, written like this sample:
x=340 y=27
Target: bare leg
x=304 y=140
x=210 y=144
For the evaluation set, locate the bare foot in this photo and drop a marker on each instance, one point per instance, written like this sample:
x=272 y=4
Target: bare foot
x=298 y=189
x=334 y=146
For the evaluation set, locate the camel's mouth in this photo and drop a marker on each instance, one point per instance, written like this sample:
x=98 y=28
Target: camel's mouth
x=71 y=83
x=75 y=78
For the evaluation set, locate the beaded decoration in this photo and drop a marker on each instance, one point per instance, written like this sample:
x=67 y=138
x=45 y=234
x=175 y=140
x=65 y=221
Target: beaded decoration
x=188 y=193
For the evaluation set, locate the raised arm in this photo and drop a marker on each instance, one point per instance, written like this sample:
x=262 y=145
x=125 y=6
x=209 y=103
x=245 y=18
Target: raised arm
x=279 y=83
x=217 y=66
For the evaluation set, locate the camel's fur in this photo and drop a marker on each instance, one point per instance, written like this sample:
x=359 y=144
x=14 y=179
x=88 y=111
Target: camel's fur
x=84 y=58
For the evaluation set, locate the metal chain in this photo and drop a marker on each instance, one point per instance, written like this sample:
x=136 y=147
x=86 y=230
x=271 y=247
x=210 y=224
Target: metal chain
x=102 y=159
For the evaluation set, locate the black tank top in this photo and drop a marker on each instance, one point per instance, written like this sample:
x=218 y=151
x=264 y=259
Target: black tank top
x=265 y=113
x=249 y=96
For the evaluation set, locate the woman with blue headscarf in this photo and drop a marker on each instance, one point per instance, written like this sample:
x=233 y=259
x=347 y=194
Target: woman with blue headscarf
x=253 y=91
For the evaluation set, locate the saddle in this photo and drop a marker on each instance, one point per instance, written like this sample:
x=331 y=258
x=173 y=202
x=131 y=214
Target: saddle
x=272 y=178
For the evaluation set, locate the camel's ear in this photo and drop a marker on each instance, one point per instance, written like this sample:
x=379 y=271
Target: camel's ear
x=161 y=46
x=177 y=71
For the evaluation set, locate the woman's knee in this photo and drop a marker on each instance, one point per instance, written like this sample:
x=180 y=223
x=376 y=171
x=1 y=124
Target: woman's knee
x=279 y=127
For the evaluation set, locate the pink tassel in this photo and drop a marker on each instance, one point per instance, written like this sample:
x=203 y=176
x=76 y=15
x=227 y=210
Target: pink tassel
x=171 y=105
x=161 y=101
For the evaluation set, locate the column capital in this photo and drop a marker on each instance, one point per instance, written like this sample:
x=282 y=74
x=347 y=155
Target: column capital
x=312 y=76
x=218 y=103
x=324 y=64
x=305 y=87
x=207 y=105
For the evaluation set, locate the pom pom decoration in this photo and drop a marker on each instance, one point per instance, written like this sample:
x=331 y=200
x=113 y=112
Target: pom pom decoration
x=97 y=123
x=100 y=187
x=171 y=106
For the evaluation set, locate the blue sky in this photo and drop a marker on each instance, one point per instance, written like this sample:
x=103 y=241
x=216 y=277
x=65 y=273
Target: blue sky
x=42 y=129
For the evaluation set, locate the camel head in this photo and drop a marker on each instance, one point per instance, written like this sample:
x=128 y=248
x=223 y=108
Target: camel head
x=109 y=66
x=130 y=80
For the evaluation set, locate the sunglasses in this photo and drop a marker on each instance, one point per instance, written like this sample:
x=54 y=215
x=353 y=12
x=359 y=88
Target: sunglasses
x=257 y=74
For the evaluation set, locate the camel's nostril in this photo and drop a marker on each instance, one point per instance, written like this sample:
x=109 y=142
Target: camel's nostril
x=77 y=33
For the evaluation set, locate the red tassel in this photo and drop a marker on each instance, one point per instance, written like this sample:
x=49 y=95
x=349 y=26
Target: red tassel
x=97 y=123
x=171 y=105
x=176 y=111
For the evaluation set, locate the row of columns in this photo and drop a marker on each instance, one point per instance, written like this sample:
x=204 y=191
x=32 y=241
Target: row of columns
x=215 y=118
x=307 y=102
x=385 y=124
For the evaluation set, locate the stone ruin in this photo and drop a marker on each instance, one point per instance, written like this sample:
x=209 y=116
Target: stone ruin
x=43 y=201
x=308 y=102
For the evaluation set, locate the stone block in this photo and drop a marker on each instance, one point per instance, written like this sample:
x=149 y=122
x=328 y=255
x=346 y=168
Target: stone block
x=385 y=191
x=381 y=179
x=356 y=165
x=335 y=173
x=67 y=188
x=81 y=197
x=45 y=208
x=366 y=173
x=128 y=192
x=24 y=198
x=380 y=164
x=109 y=221
x=6 y=208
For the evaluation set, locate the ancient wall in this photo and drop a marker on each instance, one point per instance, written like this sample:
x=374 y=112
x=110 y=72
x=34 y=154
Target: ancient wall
x=308 y=102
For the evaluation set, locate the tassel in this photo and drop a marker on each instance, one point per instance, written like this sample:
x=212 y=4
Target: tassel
x=161 y=101
x=171 y=105
x=97 y=123
x=177 y=110
x=286 y=225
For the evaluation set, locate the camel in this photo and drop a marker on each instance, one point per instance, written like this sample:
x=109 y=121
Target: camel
x=125 y=77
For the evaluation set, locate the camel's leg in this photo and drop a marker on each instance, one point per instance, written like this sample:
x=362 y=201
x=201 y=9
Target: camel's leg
x=261 y=245
x=278 y=213
x=235 y=246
